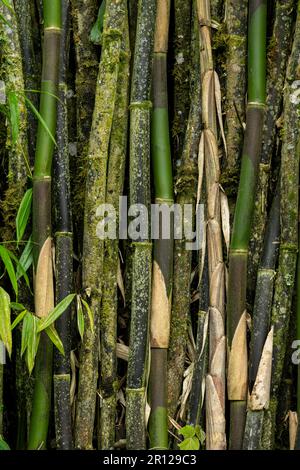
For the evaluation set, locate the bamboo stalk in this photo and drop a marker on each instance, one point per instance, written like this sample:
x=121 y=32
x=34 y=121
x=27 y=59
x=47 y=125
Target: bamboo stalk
x=278 y=54
x=181 y=73
x=185 y=190
x=259 y=378
x=215 y=381
x=84 y=14
x=140 y=105
x=236 y=24
x=93 y=247
x=31 y=59
x=289 y=180
x=163 y=247
x=109 y=308
x=42 y=221
x=64 y=248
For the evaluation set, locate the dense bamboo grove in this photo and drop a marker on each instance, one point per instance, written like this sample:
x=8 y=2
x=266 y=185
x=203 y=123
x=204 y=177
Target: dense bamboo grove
x=168 y=318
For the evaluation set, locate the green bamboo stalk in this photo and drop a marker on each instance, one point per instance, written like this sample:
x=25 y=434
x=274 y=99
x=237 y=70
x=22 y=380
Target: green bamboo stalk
x=236 y=41
x=284 y=285
x=140 y=105
x=64 y=248
x=278 y=53
x=163 y=247
x=185 y=190
x=31 y=58
x=236 y=303
x=93 y=247
x=84 y=14
x=42 y=220
x=181 y=72
x=261 y=326
x=109 y=308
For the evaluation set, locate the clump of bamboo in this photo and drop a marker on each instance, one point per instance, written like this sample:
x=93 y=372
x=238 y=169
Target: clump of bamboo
x=236 y=41
x=185 y=190
x=209 y=157
x=93 y=247
x=64 y=248
x=140 y=106
x=109 y=308
x=163 y=247
x=44 y=296
x=278 y=54
x=260 y=361
x=289 y=181
x=236 y=303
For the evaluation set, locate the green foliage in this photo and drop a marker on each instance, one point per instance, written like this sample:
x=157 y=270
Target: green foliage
x=3 y=444
x=194 y=437
x=80 y=316
x=56 y=312
x=23 y=214
x=5 y=255
x=5 y=329
x=96 y=32
x=14 y=115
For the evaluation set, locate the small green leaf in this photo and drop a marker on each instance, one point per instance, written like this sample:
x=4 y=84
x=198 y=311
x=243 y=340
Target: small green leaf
x=3 y=444
x=96 y=32
x=5 y=329
x=18 y=265
x=56 y=312
x=80 y=317
x=17 y=307
x=187 y=431
x=26 y=327
x=33 y=343
x=191 y=443
x=200 y=434
x=6 y=258
x=89 y=313
x=14 y=115
x=18 y=319
x=23 y=214
x=26 y=259
x=53 y=335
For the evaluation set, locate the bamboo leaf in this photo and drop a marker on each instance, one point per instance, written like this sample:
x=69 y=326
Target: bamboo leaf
x=6 y=258
x=18 y=319
x=89 y=313
x=3 y=444
x=26 y=327
x=54 y=337
x=80 y=317
x=33 y=343
x=96 y=32
x=14 y=115
x=5 y=329
x=23 y=214
x=16 y=306
x=40 y=118
x=26 y=259
x=56 y=312
x=19 y=266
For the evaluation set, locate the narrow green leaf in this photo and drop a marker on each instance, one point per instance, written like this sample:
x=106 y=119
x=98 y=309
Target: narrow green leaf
x=89 y=312
x=26 y=259
x=18 y=265
x=54 y=337
x=17 y=307
x=191 y=443
x=56 y=312
x=6 y=258
x=18 y=319
x=14 y=115
x=5 y=329
x=26 y=327
x=23 y=214
x=40 y=118
x=80 y=317
x=3 y=444
x=200 y=434
x=33 y=343
x=96 y=32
